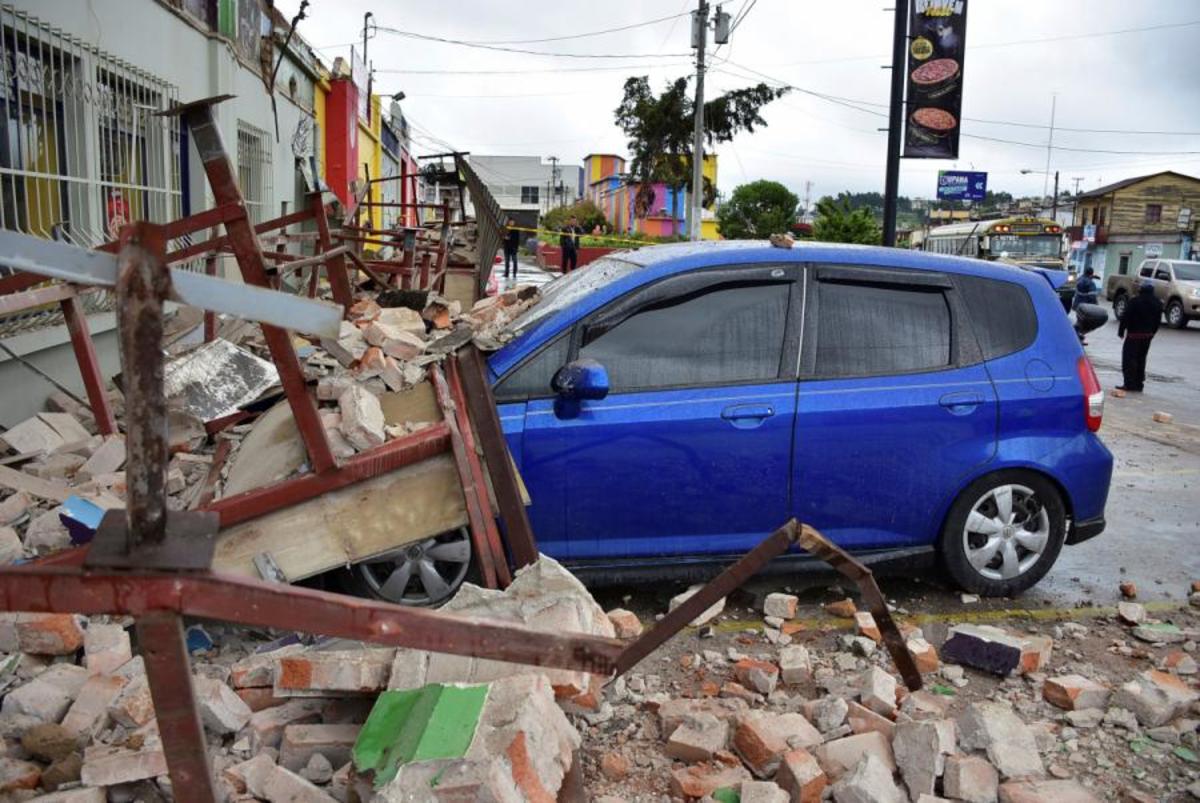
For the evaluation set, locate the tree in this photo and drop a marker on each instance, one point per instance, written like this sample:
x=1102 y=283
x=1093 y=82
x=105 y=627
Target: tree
x=838 y=222
x=757 y=210
x=660 y=127
x=590 y=216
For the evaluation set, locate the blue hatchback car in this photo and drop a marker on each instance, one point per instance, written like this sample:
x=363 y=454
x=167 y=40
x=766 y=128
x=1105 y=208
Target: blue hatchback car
x=673 y=405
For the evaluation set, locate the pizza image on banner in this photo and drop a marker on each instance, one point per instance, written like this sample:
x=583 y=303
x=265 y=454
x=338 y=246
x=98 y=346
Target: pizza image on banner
x=937 y=30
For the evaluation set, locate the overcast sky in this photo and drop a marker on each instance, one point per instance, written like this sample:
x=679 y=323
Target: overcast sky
x=521 y=104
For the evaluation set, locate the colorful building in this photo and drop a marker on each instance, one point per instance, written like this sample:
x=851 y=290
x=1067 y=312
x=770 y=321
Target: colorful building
x=655 y=210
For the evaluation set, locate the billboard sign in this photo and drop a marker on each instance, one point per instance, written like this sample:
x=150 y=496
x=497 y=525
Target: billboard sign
x=1089 y=233
x=961 y=185
x=937 y=32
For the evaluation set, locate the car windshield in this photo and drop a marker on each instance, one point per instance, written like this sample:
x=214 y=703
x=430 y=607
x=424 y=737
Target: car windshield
x=1049 y=245
x=566 y=290
x=1186 y=271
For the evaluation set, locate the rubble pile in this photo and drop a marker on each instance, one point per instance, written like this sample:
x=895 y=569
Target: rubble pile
x=59 y=475
x=786 y=710
x=295 y=719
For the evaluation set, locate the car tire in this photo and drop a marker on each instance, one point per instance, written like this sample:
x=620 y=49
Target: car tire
x=423 y=574
x=1176 y=317
x=1003 y=533
x=1119 y=306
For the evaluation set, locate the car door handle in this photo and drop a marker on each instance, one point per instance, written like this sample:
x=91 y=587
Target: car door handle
x=961 y=403
x=746 y=416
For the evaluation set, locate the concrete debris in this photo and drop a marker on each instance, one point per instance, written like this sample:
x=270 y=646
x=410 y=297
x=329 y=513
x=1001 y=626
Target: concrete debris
x=869 y=782
x=1155 y=697
x=971 y=779
x=625 y=623
x=698 y=738
x=1009 y=743
x=780 y=605
x=762 y=738
x=838 y=756
x=996 y=650
x=706 y=616
x=1074 y=692
x=877 y=691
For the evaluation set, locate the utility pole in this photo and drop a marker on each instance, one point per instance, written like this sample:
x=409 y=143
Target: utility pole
x=699 y=39
x=891 y=186
x=1078 y=180
x=554 y=179
x=807 y=198
x=366 y=64
x=1054 y=207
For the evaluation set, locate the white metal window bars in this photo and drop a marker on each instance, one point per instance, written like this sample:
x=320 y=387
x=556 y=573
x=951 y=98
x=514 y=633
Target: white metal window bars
x=254 y=170
x=80 y=150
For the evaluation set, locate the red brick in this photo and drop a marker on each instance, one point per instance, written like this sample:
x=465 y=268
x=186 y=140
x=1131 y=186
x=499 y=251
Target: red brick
x=614 y=766
x=699 y=780
x=801 y=776
x=864 y=623
x=761 y=739
x=49 y=633
x=1074 y=692
x=863 y=720
x=924 y=654
x=758 y=675
x=16 y=774
x=843 y=608
x=625 y=623
x=259 y=698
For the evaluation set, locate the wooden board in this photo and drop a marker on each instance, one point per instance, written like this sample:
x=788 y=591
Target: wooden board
x=350 y=524
x=418 y=403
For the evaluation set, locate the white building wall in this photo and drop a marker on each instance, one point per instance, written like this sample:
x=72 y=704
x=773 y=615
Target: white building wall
x=169 y=46
x=506 y=175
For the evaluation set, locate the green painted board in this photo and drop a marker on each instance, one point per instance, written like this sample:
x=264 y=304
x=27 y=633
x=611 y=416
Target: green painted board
x=431 y=722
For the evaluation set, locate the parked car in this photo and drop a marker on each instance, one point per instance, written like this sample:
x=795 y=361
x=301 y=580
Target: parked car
x=669 y=407
x=1176 y=285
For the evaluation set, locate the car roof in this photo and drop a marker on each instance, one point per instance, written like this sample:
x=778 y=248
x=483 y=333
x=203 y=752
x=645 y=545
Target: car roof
x=660 y=261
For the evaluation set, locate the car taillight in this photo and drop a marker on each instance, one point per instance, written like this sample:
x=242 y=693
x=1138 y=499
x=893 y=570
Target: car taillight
x=1093 y=395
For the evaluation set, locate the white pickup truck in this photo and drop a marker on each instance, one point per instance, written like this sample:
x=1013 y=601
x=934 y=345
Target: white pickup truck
x=1176 y=285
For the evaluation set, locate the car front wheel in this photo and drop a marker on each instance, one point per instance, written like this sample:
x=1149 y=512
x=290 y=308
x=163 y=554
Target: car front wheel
x=424 y=573
x=1119 y=306
x=1003 y=533
x=1176 y=318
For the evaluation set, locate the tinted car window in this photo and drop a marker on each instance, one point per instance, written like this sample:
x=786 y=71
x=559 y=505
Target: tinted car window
x=722 y=334
x=532 y=378
x=1001 y=314
x=566 y=290
x=869 y=330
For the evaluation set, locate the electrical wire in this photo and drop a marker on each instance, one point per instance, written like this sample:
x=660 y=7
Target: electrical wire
x=579 y=35
x=503 y=49
x=617 y=68
x=742 y=14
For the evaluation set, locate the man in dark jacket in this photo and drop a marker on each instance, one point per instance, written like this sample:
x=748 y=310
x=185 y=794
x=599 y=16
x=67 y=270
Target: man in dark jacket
x=568 y=241
x=512 y=242
x=1086 y=290
x=1142 y=317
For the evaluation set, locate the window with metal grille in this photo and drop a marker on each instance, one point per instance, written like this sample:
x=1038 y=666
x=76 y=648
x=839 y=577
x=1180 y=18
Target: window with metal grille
x=81 y=151
x=529 y=195
x=254 y=170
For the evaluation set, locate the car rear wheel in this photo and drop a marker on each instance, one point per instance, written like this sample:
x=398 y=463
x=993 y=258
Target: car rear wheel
x=423 y=574
x=1003 y=533
x=1119 y=306
x=1176 y=318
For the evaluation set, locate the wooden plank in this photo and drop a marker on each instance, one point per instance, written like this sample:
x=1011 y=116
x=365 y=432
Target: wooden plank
x=20 y=481
x=349 y=524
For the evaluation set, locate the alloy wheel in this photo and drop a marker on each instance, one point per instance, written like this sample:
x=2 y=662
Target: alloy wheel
x=1006 y=532
x=1175 y=315
x=422 y=573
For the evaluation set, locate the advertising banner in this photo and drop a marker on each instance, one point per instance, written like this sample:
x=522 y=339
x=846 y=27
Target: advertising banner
x=937 y=32
x=961 y=185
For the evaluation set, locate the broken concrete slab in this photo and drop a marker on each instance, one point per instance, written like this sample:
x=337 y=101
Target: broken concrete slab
x=32 y=436
x=1008 y=742
x=48 y=696
x=838 y=756
x=920 y=748
x=107 y=459
x=1155 y=697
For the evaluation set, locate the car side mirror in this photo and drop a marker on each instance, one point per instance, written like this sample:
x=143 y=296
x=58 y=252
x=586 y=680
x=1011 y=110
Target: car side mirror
x=575 y=382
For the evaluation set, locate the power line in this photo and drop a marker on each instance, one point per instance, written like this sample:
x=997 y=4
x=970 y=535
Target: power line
x=578 y=35
x=991 y=45
x=746 y=9
x=851 y=103
x=617 y=68
x=503 y=49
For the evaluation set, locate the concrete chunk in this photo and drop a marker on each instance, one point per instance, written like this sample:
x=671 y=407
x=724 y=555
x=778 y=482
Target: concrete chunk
x=762 y=792
x=362 y=417
x=840 y=755
x=971 y=779
x=283 y=786
x=795 y=666
x=221 y=710
x=319 y=672
x=1155 y=697
x=699 y=738
x=1061 y=791
x=104 y=765
x=301 y=742
x=699 y=780
x=1009 y=743
x=755 y=674
x=48 y=696
x=920 y=748
x=706 y=616
x=781 y=605
x=877 y=690
x=105 y=648
x=869 y=782
x=105 y=460
x=49 y=633
x=89 y=712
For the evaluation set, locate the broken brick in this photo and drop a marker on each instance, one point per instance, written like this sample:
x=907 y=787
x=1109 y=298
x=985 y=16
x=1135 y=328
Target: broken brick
x=864 y=625
x=89 y=711
x=362 y=417
x=795 y=666
x=755 y=674
x=780 y=605
x=49 y=633
x=863 y=720
x=801 y=776
x=924 y=655
x=762 y=738
x=1074 y=692
x=996 y=650
x=625 y=623
x=971 y=779
x=699 y=780
x=301 y=742
x=104 y=765
x=838 y=756
x=877 y=690
x=1050 y=791
x=698 y=738
x=47 y=697
x=1155 y=697
x=1009 y=743
x=16 y=774
x=843 y=608
x=318 y=672
x=221 y=710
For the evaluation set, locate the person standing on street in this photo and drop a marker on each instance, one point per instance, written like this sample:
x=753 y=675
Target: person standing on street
x=1086 y=289
x=568 y=241
x=1142 y=317
x=512 y=241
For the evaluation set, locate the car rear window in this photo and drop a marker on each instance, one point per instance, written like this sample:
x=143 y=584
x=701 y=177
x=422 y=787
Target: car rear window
x=869 y=330
x=1001 y=314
